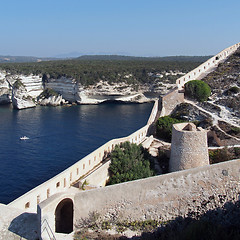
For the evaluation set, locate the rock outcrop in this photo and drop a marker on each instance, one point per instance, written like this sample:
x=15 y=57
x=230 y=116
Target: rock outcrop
x=29 y=88
x=5 y=91
x=20 y=98
x=52 y=101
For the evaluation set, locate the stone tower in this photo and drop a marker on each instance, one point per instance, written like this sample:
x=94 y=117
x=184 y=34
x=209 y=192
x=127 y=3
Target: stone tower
x=189 y=147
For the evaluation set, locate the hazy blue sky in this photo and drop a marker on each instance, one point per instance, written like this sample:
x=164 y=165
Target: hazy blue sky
x=128 y=27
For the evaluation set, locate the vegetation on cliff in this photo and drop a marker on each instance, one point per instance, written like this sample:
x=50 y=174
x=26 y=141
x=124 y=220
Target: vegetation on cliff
x=89 y=71
x=225 y=84
x=48 y=92
x=18 y=84
x=224 y=154
x=197 y=89
x=129 y=162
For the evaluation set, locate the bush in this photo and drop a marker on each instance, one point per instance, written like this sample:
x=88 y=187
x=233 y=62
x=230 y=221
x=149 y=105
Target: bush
x=129 y=162
x=234 y=89
x=220 y=155
x=164 y=127
x=18 y=84
x=235 y=130
x=48 y=92
x=197 y=89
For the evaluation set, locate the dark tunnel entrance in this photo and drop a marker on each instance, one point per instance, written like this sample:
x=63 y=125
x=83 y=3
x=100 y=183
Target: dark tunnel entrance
x=64 y=216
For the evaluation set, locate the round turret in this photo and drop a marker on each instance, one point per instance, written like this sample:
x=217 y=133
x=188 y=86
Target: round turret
x=189 y=147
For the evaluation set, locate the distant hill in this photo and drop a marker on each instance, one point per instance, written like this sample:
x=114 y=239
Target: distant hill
x=131 y=58
x=22 y=59
x=19 y=59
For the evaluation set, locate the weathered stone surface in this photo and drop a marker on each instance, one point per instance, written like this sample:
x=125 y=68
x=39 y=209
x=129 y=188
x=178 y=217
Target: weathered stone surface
x=165 y=197
x=69 y=90
x=52 y=101
x=15 y=224
x=21 y=99
x=191 y=192
x=5 y=91
x=189 y=147
x=170 y=101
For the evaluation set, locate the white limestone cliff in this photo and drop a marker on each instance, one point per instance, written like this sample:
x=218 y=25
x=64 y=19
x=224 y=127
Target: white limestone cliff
x=5 y=91
x=33 y=85
x=20 y=98
x=52 y=101
x=68 y=89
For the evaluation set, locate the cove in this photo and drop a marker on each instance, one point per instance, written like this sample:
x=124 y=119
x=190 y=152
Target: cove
x=58 y=137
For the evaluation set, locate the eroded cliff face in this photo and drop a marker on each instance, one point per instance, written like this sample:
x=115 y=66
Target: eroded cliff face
x=5 y=91
x=68 y=90
x=20 y=97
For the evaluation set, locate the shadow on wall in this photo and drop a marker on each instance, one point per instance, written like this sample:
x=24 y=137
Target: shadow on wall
x=218 y=224
x=25 y=226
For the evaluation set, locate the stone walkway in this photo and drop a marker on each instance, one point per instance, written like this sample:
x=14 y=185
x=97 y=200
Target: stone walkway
x=16 y=224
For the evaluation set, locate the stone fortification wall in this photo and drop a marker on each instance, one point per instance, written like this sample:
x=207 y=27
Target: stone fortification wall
x=189 y=147
x=162 y=197
x=82 y=169
x=207 y=66
x=176 y=96
x=170 y=101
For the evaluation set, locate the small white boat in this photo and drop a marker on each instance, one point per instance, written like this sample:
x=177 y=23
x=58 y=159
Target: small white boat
x=24 y=138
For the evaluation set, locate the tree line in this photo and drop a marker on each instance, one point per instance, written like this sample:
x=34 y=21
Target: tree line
x=91 y=71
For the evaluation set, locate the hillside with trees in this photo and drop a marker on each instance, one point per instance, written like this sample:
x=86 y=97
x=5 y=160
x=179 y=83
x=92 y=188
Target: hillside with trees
x=89 y=70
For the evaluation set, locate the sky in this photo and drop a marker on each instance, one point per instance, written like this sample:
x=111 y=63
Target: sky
x=48 y=28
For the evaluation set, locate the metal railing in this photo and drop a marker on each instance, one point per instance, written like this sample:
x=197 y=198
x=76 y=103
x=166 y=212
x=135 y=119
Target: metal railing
x=45 y=227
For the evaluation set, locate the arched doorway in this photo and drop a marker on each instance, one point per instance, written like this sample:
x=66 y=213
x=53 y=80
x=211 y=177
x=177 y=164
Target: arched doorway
x=64 y=216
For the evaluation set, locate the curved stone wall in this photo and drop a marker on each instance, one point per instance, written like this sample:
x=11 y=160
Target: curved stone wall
x=64 y=180
x=189 y=147
x=206 y=66
x=163 y=197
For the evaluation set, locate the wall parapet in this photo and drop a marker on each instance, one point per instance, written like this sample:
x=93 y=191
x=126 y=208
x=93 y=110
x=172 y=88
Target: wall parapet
x=206 y=66
x=163 y=197
x=64 y=180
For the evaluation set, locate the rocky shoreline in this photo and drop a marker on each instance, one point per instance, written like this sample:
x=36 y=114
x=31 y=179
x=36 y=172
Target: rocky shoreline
x=29 y=91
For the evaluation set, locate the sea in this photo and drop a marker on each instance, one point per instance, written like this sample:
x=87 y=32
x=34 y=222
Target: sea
x=58 y=137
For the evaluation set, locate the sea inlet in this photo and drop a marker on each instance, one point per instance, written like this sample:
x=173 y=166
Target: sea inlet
x=58 y=137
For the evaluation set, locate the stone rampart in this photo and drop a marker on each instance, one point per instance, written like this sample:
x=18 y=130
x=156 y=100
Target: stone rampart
x=176 y=96
x=170 y=101
x=206 y=66
x=162 y=197
x=64 y=180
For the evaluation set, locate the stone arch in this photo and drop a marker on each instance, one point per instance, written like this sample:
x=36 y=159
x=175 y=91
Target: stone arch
x=64 y=216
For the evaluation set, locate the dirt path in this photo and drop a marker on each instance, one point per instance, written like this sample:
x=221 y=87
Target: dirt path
x=225 y=115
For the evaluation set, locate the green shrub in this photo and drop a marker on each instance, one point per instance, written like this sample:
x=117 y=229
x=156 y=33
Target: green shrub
x=18 y=84
x=220 y=155
x=197 y=89
x=129 y=162
x=48 y=92
x=237 y=151
x=234 y=89
x=235 y=130
x=164 y=127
